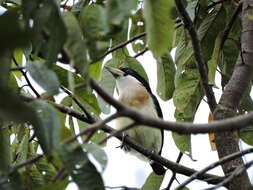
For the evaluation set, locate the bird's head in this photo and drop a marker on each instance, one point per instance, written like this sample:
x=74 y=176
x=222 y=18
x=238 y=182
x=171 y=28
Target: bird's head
x=127 y=78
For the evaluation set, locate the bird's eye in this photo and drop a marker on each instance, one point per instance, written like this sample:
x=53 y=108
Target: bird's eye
x=125 y=74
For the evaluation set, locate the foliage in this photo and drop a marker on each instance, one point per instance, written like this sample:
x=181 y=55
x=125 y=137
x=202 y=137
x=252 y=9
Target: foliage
x=64 y=45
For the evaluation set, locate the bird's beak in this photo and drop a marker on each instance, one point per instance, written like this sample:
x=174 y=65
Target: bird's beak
x=115 y=72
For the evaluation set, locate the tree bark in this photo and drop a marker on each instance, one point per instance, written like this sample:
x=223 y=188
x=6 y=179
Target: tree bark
x=227 y=142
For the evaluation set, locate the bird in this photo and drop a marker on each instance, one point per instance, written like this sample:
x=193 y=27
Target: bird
x=134 y=91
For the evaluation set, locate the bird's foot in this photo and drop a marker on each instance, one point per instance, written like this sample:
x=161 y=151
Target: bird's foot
x=123 y=145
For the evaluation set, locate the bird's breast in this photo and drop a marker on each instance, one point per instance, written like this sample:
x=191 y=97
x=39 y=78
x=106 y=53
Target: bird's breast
x=135 y=98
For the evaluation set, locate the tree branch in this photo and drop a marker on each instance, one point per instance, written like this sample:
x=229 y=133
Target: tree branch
x=179 y=127
x=203 y=70
x=227 y=142
x=236 y=173
x=26 y=78
x=213 y=165
x=123 y=44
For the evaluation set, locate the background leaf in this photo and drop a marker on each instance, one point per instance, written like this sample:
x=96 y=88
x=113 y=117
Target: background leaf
x=159 y=25
x=46 y=78
x=165 y=77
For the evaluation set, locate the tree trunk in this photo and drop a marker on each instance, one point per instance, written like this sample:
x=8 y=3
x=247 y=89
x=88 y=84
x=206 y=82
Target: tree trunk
x=227 y=142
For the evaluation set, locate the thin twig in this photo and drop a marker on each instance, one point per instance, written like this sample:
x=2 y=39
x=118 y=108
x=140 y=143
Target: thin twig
x=94 y=127
x=77 y=102
x=26 y=78
x=19 y=68
x=131 y=125
x=173 y=177
x=202 y=66
x=141 y=52
x=123 y=44
x=28 y=162
x=213 y=165
x=238 y=171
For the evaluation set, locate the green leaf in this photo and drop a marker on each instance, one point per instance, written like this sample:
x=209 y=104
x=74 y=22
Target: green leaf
x=117 y=11
x=49 y=32
x=5 y=154
x=246 y=134
x=187 y=94
x=48 y=130
x=214 y=61
x=82 y=171
x=11 y=182
x=60 y=185
x=62 y=75
x=98 y=153
x=13 y=109
x=159 y=25
x=33 y=177
x=47 y=169
x=186 y=98
x=46 y=78
x=95 y=70
x=165 y=77
x=14 y=34
x=5 y=56
x=153 y=182
x=108 y=83
x=183 y=143
x=75 y=45
x=134 y=64
x=138 y=27
x=93 y=22
x=230 y=53
x=22 y=152
x=89 y=100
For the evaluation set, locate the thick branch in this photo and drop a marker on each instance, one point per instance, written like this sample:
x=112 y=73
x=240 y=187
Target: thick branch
x=203 y=70
x=227 y=142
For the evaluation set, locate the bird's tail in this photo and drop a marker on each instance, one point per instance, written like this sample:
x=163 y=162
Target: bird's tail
x=157 y=168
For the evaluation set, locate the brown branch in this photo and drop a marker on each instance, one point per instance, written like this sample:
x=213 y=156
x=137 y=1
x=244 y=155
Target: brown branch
x=202 y=67
x=173 y=177
x=94 y=127
x=236 y=173
x=179 y=127
x=130 y=126
x=123 y=44
x=227 y=142
x=26 y=163
x=77 y=102
x=141 y=52
x=213 y=165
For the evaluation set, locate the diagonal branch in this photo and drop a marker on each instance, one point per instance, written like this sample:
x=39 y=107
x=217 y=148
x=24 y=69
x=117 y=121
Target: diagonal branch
x=26 y=78
x=203 y=70
x=179 y=127
x=213 y=165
